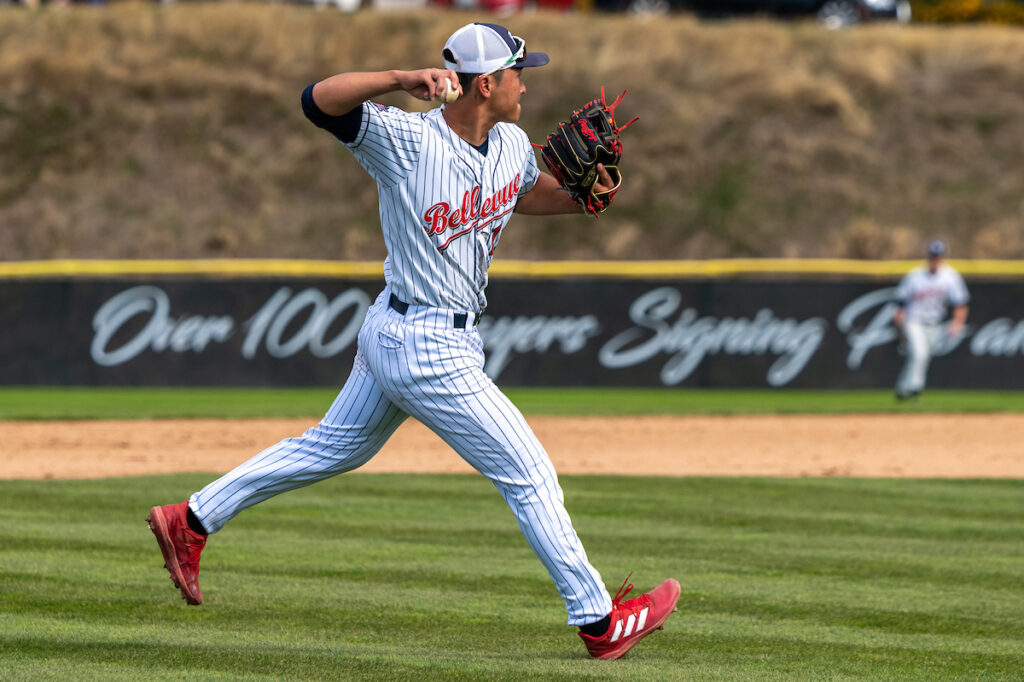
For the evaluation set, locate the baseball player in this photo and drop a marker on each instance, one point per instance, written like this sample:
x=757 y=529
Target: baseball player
x=922 y=297
x=448 y=182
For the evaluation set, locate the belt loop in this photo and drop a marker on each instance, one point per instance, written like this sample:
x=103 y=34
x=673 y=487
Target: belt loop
x=398 y=305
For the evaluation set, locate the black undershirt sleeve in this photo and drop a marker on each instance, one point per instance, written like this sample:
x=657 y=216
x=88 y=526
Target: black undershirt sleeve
x=344 y=127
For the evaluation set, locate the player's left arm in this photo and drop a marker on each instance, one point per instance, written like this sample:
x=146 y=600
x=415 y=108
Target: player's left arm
x=959 y=298
x=956 y=325
x=547 y=197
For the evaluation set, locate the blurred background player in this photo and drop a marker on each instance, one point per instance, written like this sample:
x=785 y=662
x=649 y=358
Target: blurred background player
x=922 y=297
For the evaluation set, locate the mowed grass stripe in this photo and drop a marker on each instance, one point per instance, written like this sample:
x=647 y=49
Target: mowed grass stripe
x=240 y=403
x=427 y=577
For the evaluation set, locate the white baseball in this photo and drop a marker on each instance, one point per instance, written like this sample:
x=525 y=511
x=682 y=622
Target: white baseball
x=446 y=93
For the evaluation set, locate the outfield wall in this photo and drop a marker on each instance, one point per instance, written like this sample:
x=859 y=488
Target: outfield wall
x=806 y=324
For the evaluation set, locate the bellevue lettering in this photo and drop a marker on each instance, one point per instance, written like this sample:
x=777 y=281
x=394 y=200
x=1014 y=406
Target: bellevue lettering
x=440 y=217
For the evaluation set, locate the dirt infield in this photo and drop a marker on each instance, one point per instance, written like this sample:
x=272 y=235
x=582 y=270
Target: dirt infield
x=944 y=446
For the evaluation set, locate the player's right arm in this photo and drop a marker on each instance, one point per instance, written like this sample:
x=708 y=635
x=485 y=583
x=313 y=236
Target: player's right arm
x=899 y=315
x=344 y=92
x=385 y=140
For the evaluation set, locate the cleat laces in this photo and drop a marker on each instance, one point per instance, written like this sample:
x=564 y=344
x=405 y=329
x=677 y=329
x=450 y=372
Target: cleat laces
x=634 y=604
x=623 y=591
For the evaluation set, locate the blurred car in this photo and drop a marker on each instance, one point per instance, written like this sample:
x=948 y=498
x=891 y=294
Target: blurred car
x=831 y=13
x=506 y=7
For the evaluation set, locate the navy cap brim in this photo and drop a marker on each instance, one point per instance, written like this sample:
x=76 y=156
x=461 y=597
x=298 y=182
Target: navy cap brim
x=531 y=59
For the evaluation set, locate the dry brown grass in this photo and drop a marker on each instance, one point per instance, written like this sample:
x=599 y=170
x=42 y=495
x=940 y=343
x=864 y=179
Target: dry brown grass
x=142 y=131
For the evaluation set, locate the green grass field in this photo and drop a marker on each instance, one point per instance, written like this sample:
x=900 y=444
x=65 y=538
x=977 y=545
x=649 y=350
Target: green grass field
x=135 y=403
x=396 y=577
x=392 y=577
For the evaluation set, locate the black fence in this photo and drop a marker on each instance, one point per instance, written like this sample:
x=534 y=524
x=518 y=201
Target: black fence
x=579 y=332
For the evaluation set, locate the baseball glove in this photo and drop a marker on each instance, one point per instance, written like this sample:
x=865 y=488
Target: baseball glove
x=574 y=149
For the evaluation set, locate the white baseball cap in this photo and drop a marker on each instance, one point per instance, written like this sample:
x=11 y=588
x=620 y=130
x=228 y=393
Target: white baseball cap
x=486 y=48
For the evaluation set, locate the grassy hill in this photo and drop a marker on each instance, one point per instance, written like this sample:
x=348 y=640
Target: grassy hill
x=137 y=130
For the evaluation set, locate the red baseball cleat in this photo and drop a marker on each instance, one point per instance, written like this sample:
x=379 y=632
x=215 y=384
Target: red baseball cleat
x=633 y=620
x=180 y=546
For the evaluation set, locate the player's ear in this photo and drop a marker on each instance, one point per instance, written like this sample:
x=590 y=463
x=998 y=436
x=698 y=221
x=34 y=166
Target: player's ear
x=485 y=85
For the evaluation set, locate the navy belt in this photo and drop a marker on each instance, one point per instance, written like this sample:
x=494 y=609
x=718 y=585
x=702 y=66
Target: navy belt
x=459 y=320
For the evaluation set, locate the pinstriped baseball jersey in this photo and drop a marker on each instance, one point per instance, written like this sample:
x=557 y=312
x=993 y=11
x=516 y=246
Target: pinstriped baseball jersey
x=443 y=204
x=925 y=294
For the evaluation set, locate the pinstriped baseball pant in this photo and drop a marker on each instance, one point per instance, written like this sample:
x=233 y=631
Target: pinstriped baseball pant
x=417 y=364
x=922 y=340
